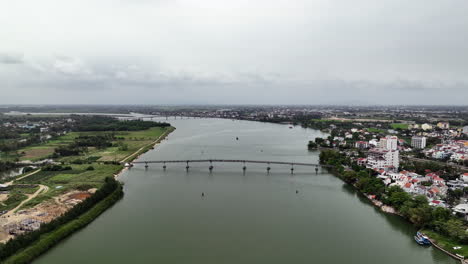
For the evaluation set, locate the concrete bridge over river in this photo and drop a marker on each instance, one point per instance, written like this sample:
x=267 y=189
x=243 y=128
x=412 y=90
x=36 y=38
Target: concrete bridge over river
x=244 y=162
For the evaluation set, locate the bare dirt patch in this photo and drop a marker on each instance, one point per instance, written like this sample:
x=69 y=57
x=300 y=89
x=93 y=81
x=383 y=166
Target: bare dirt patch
x=37 y=153
x=80 y=196
x=41 y=213
x=3 y=197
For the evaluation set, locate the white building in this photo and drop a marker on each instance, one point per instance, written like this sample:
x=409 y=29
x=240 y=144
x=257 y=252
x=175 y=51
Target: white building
x=426 y=127
x=465 y=130
x=418 y=142
x=380 y=158
x=389 y=143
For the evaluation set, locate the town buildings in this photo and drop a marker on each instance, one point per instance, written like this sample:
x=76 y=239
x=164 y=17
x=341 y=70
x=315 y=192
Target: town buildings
x=443 y=125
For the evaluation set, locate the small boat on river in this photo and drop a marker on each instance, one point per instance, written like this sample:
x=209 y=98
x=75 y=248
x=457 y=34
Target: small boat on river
x=421 y=239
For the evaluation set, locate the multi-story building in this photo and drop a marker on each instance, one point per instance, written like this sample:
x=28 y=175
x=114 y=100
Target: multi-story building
x=389 y=143
x=418 y=142
x=380 y=158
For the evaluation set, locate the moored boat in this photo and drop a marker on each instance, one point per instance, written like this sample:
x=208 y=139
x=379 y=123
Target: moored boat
x=424 y=238
x=421 y=239
x=418 y=240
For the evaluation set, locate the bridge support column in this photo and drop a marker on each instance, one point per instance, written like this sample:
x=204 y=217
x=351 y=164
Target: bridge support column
x=211 y=166
x=316 y=169
x=268 y=168
x=164 y=166
x=187 y=167
x=292 y=169
x=146 y=165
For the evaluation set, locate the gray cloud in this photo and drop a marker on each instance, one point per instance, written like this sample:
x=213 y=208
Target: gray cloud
x=217 y=51
x=10 y=58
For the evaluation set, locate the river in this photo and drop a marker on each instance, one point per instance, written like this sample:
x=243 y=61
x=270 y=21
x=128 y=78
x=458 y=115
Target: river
x=251 y=218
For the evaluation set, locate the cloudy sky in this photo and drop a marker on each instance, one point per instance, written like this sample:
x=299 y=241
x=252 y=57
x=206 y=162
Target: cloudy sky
x=234 y=52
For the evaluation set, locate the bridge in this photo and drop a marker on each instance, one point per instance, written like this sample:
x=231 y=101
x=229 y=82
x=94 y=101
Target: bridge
x=244 y=168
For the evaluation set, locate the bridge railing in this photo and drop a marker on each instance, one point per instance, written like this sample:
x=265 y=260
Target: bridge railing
x=231 y=161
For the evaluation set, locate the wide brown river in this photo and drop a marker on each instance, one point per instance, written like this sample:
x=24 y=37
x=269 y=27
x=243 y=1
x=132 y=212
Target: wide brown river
x=252 y=218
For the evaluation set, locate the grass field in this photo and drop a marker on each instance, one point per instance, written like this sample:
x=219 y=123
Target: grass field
x=134 y=140
x=16 y=195
x=447 y=243
x=375 y=130
x=78 y=178
x=399 y=125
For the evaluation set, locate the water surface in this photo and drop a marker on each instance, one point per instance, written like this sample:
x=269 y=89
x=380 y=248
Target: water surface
x=251 y=218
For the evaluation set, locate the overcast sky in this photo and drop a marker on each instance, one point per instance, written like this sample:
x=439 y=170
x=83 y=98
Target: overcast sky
x=234 y=52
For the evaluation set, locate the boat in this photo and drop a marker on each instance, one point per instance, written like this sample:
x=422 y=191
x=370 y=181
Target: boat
x=419 y=240
x=422 y=239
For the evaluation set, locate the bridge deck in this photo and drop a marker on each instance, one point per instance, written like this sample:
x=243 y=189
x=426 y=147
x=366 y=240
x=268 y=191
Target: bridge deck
x=230 y=161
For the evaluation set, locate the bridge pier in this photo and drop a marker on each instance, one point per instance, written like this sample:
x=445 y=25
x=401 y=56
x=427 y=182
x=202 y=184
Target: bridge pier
x=316 y=169
x=292 y=169
x=146 y=165
x=164 y=166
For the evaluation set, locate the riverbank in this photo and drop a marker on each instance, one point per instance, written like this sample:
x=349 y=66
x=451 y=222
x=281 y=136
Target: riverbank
x=45 y=208
x=47 y=240
x=147 y=147
x=413 y=209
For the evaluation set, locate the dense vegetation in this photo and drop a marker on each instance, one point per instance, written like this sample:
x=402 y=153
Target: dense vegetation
x=81 y=144
x=35 y=243
x=101 y=123
x=6 y=165
x=415 y=209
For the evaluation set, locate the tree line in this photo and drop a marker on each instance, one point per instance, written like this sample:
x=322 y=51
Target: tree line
x=7 y=165
x=102 y=123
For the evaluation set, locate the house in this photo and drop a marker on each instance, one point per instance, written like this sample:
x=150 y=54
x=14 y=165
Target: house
x=408 y=187
x=426 y=127
x=437 y=203
x=362 y=144
x=361 y=161
x=443 y=125
x=461 y=210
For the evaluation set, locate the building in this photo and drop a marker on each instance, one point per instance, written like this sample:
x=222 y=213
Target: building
x=465 y=130
x=362 y=144
x=380 y=158
x=443 y=125
x=426 y=127
x=389 y=143
x=418 y=142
